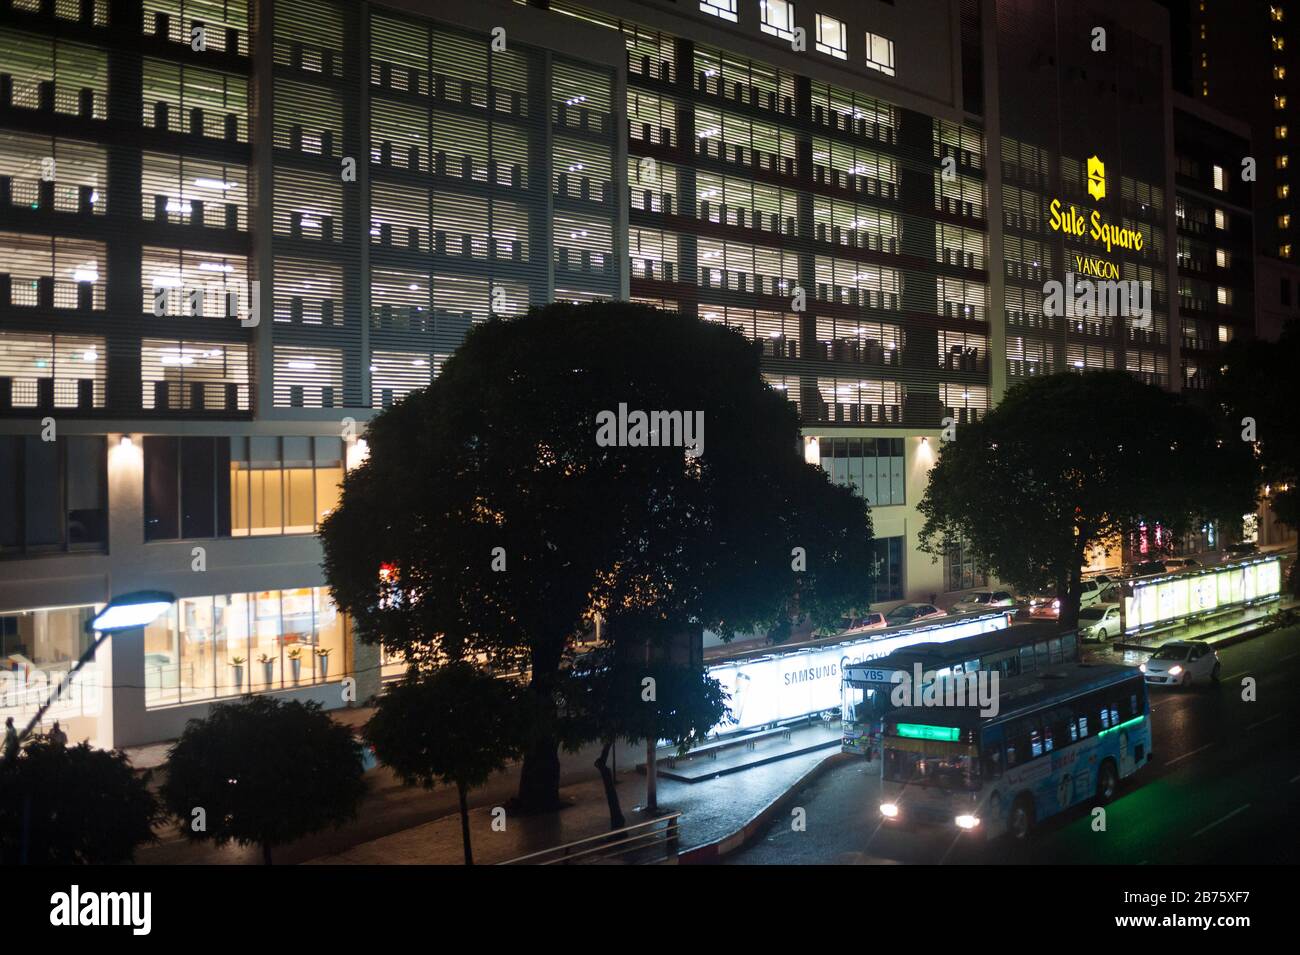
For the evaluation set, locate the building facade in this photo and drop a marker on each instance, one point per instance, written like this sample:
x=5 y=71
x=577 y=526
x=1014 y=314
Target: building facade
x=232 y=230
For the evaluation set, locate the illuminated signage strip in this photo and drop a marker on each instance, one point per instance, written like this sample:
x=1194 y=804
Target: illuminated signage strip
x=1162 y=600
x=785 y=686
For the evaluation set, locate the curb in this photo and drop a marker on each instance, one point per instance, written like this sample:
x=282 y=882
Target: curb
x=1267 y=627
x=711 y=852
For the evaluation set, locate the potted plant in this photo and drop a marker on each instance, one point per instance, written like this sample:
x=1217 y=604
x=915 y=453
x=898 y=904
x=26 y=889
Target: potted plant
x=323 y=658
x=268 y=668
x=237 y=664
x=295 y=664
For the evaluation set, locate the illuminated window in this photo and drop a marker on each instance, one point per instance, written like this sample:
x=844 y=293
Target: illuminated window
x=1279 y=43
x=1284 y=250
x=1225 y=334
x=1220 y=219
x=832 y=38
x=777 y=18
x=1205 y=88
x=1279 y=132
x=1224 y=297
x=1205 y=60
x=1284 y=191
x=1275 y=13
x=1279 y=72
x=1222 y=258
x=880 y=53
x=1279 y=101
x=1202 y=31
x=1220 y=179
x=720 y=8
x=1283 y=161
x=1284 y=221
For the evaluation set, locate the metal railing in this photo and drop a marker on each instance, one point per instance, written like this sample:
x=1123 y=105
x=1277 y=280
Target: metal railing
x=653 y=842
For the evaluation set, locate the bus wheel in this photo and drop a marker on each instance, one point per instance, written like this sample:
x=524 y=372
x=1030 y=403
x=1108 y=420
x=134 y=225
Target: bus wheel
x=1107 y=782
x=1021 y=820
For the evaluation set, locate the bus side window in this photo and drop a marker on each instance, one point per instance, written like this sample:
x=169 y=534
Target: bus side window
x=1027 y=659
x=1040 y=655
x=1054 y=650
x=1070 y=647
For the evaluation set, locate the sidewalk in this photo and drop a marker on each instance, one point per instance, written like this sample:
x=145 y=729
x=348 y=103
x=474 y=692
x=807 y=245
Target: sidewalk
x=401 y=825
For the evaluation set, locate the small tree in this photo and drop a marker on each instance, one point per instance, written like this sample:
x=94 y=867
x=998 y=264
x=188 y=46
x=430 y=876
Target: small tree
x=62 y=805
x=610 y=696
x=263 y=771
x=455 y=725
x=1069 y=462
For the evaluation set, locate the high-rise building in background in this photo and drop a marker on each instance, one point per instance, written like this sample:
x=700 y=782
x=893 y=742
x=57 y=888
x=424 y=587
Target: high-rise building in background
x=232 y=230
x=1241 y=59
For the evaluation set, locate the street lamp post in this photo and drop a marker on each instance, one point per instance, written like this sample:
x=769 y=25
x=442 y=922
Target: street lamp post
x=122 y=613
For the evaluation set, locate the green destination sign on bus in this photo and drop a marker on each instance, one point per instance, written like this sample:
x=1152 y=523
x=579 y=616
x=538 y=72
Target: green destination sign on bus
x=922 y=731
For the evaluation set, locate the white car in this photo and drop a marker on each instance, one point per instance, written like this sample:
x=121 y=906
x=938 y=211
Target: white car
x=1090 y=593
x=1099 y=622
x=984 y=600
x=1182 y=663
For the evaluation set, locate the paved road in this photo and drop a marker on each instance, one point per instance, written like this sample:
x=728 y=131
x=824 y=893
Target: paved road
x=1224 y=787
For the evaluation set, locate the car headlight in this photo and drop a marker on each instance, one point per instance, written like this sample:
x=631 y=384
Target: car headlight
x=967 y=821
x=889 y=810
x=1142 y=667
x=1175 y=670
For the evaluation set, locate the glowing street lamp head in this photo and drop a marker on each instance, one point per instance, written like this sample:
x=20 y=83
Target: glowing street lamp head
x=132 y=610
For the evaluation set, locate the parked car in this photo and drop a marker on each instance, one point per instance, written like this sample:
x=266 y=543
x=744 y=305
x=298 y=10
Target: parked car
x=984 y=600
x=861 y=623
x=1148 y=568
x=1176 y=564
x=910 y=613
x=1099 y=622
x=1243 y=549
x=1091 y=592
x=1182 y=663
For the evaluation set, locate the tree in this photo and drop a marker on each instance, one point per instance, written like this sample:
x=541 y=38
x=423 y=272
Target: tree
x=455 y=725
x=1258 y=389
x=1069 y=462
x=263 y=771
x=73 y=805
x=611 y=695
x=491 y=518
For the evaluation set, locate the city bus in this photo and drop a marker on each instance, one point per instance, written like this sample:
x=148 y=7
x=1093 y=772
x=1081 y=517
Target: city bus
x=1014 y=651
x=1060 y=737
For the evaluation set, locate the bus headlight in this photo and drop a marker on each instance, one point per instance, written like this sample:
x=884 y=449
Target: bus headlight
x=967 y=821
x=889 y=810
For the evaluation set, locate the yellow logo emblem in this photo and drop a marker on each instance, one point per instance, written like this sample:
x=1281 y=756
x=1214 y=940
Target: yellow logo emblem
x=1096 y=178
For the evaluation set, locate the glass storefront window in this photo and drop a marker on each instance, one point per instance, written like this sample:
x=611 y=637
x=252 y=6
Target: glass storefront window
x=191 y=653
x=37 y=648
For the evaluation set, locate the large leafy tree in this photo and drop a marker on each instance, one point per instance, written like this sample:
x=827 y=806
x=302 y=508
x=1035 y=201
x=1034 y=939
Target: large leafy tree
x=262 y=771
x=455 y=725
x=1069 y=462
x=62 y=805
x=489 y=520
x=1258 y=389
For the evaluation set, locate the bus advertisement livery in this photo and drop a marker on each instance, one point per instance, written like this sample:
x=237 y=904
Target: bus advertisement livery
x=1061 y=737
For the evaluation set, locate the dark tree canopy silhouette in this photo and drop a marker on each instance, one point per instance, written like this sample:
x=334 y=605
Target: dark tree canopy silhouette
x=73 y=805
x=502 y=526
x=263 y=772
x=1069 y=462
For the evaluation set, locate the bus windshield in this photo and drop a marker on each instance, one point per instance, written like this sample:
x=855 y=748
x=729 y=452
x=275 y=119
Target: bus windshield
x=952 y=771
